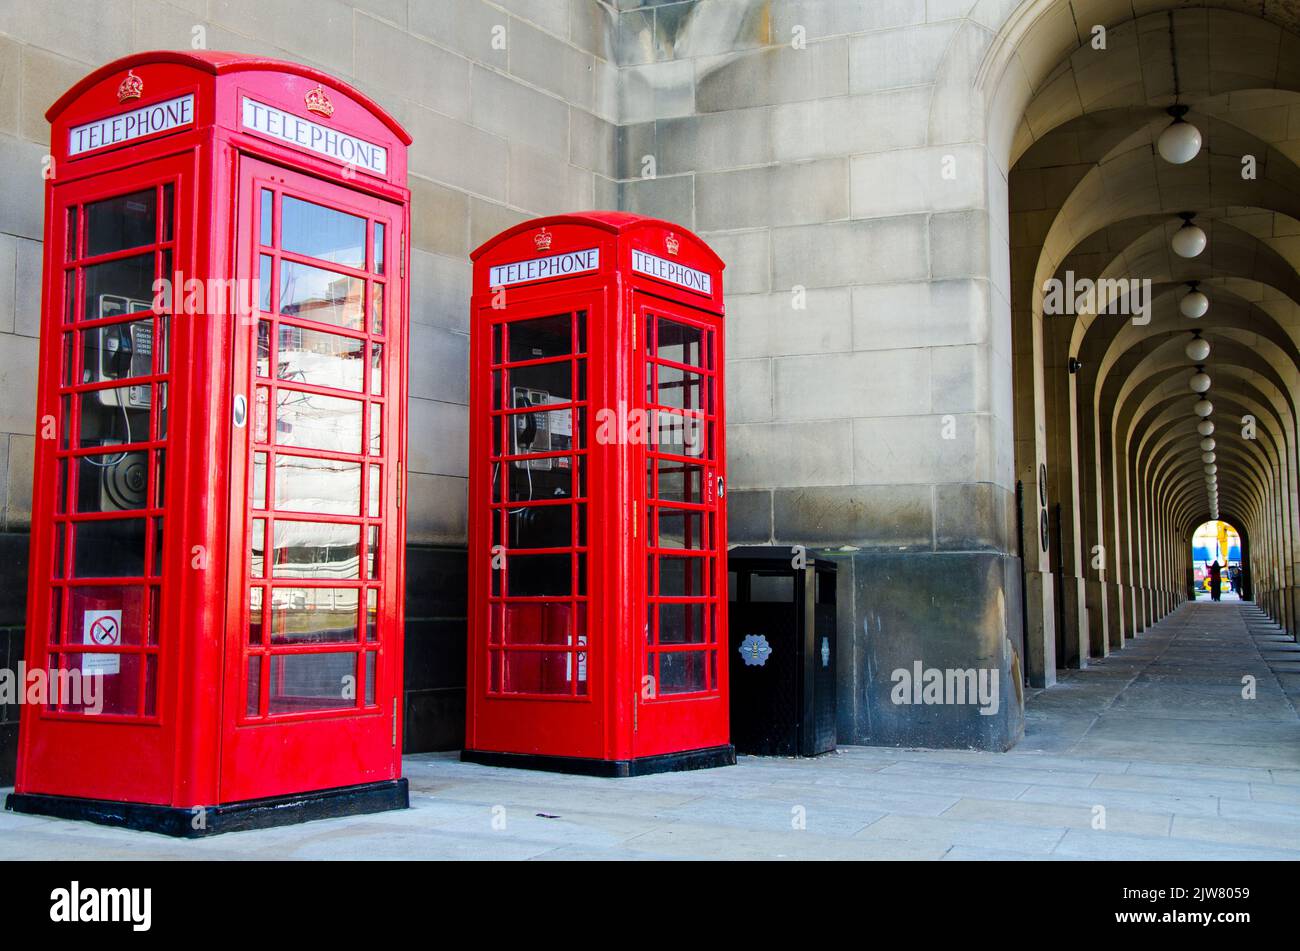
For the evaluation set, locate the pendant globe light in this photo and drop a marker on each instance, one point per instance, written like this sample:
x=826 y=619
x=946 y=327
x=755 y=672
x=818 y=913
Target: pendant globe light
x=1181 y=141
x=1208 y=457
x=1194 y=304
x=1200 y=381
x=1207 y=444
x=1203 y=408
x=1189 y=240
x=1205 y=427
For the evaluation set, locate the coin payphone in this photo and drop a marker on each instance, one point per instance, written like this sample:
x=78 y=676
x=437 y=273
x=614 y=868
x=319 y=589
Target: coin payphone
x=598 y=592
x=216 y=575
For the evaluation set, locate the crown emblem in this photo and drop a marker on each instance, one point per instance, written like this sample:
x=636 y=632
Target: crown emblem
x=319 y=103
x=542 y=240
x=132 y=87
x=671 y=243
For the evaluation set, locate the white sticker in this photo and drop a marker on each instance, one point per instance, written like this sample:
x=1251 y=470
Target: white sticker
x=101 y=629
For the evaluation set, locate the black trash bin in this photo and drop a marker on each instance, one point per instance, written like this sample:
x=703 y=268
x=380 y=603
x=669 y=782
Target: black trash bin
x=782 y=651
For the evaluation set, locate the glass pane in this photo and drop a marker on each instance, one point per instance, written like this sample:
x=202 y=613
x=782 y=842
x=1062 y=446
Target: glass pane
x=302 y=682
x=679 y=342
x=372 y=615
x=255 y=615
x=376 y=480
x=253 y=695
x=543 y=337
x=372 y=552
x=320 y=359
x=114 y=482
x=312 y=421
x=546 y=672
x=313 y=293
x=168 y=203
x=379 y=247
x=679 y=528
x=117 y=288
x=681 y=577
x=680 y=481
x=117 y=351
x=545 y=623
x=327 y=486
x=268 y=199
x=324 y=233
x=73 y=219
x=681 y=623
x=257 y=548
x=107 y=616
x=117 y=688
x=377 y=309
x=377 y=368
x=371 y=656
x=115 y=416
x=263 y=348
x=109 y=549
x=681 y=672
x=678 y=434
x=259 y=480
x=264 y=283
x=126 y=221
x=376 y=428
x=313 y=615
x=535 y=575
x=680 y=389
x=159 y=477
x=316 y=550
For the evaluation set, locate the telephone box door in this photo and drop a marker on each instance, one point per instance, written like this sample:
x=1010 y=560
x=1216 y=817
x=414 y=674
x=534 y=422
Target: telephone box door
x=312 y=676
x=537 y=664
x=99 y=582
x=679 y=377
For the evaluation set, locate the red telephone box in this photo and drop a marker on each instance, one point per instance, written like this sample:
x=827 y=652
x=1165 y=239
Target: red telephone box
x=217 y=537
x=598 y=591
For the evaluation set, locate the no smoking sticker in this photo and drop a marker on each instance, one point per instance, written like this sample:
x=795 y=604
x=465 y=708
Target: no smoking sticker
x=102 y=629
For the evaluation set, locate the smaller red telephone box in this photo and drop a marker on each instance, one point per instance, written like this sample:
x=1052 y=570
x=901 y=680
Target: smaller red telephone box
x=598 y=529
x=217 y=539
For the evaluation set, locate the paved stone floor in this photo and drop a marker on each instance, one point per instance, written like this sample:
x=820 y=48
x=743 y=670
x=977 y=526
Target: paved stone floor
x=1157 y=739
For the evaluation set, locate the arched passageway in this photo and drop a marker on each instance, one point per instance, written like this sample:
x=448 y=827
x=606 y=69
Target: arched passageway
x=1154 y=389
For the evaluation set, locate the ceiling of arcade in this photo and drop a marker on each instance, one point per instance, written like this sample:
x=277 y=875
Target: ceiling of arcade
x=1091 y=197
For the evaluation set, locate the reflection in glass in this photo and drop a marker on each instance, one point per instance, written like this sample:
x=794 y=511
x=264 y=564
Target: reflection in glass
x=681 y=623
x=125 y=221
x=317 y=550
x=268 y=199
x=313 y=293
x=119 y=287
x=327 y=486
x=301 y=682
x=313 y=615
x=543 y=337
x=681 y=672
x=379 y=247
x=319 y=358
x=313 y=421
x=108 y=549
x=324 y=233
x=679 y=343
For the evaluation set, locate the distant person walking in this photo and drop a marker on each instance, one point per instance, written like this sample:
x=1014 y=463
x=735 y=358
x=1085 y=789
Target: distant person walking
x=1216 y=579
x=1234 y=579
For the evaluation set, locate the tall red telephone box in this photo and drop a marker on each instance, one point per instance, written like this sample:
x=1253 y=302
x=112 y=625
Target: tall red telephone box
x=598 y=591
x=216 y=575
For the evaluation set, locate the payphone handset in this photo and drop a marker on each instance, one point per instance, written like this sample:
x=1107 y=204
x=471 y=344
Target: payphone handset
x=124 y=350
x=542 y=431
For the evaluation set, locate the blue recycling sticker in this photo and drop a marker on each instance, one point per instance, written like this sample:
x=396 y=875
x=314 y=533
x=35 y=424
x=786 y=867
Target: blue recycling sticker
x=755 y=650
